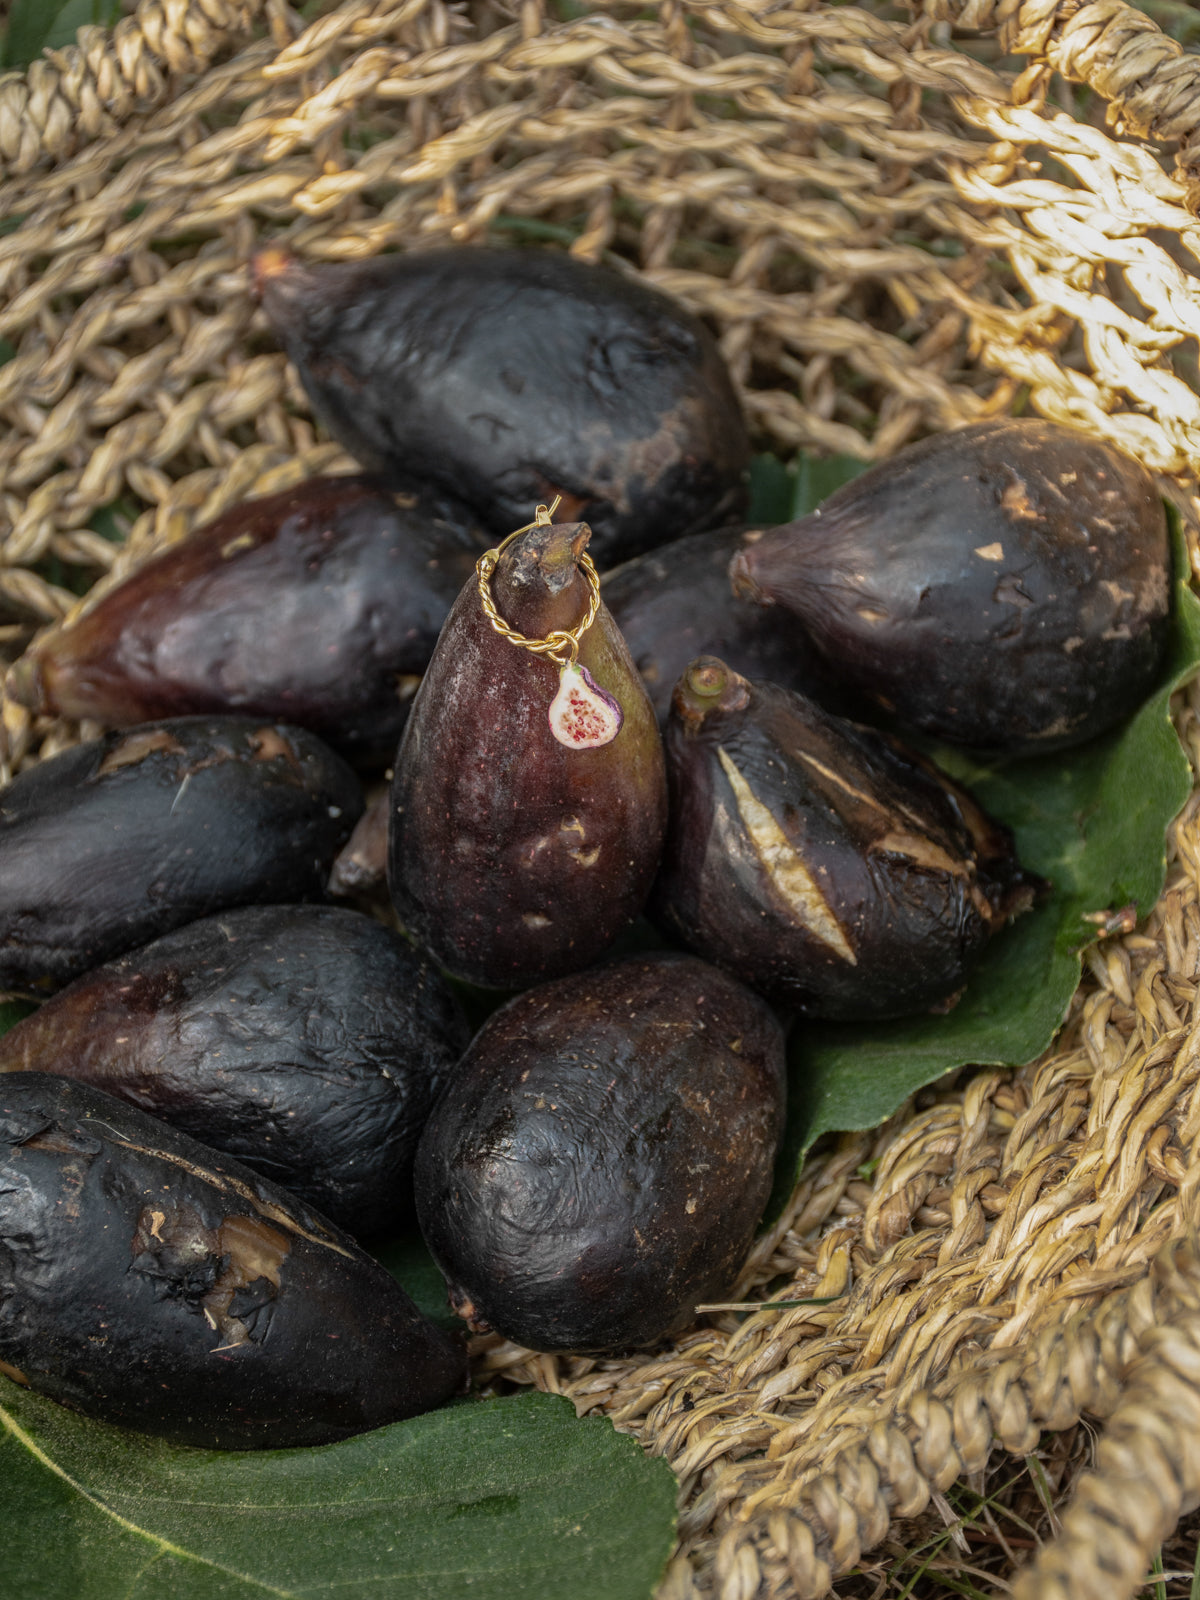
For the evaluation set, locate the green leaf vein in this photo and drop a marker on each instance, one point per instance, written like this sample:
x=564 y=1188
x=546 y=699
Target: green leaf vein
x=162 y=1546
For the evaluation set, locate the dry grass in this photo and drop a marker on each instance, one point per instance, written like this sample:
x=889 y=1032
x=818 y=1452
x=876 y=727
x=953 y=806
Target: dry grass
x=985 y=1530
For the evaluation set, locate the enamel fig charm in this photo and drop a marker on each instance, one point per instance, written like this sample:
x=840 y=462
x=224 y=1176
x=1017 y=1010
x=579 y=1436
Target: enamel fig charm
x=582 y=715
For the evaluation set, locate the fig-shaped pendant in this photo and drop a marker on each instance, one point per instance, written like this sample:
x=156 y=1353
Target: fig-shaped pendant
x=525 y=826
x=583 y=716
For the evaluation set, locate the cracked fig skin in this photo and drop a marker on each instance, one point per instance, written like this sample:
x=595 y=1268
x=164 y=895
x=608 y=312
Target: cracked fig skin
x=837 y=872
x=154 y=1284
x=513 y=858
x=600 y=1159
x=1006 y=586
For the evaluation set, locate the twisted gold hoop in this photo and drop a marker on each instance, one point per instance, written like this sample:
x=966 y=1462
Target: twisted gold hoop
x=562 y=645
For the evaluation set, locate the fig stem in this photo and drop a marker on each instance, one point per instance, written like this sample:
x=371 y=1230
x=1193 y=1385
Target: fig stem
x=562 y=645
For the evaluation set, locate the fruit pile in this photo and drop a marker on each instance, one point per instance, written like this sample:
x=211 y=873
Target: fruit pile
x=637 y=708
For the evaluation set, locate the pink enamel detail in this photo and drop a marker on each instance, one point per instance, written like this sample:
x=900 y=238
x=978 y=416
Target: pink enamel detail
x=582 y=714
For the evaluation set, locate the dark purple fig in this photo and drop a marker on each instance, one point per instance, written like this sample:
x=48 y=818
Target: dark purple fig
x=836 y=872
x=307 y=1041
x=109 y=844
x=320 y=605
x=510 y=376
x=152 y=1283
x=676 y=603
x=600 y=1159
x=1005 y=586
x=512 y=857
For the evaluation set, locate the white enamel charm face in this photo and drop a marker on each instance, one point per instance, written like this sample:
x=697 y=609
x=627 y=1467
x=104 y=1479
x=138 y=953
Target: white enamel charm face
x=582 y=714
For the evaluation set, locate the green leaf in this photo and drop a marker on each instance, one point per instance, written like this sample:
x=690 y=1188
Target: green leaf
x=772 y=491
x=414 y=1269
x=1093 y=821
x=11 y=1012
x=817 y=477
x=779 y=493
x=37 y=25
x=114 y=520
x=511 y=1499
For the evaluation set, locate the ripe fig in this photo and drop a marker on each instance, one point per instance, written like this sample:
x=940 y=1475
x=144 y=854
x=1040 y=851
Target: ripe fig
x=676 y=603
x=513 y=858
x=320 y=605
x=111 y=843
x=151 y=1283
x=307 y=1041
x=1005 y=586
x=509 y=376
x=828 y=867
x=600 y=1159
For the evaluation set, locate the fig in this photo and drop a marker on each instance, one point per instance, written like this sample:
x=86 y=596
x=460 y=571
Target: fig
x=514 y=857
x=676 y=603
x=307 y=1041
x=837 y=873
x=1005 y=586
x=509 y=376
x=319 y=605
x=122 y=838
x=153 y=1284
x=598 y=1163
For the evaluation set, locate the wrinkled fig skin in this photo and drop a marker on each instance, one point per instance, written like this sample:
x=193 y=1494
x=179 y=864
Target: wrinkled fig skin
x=676 y=603
x=109 y=844
x=512 y=858
x=152 y=1283
x=813 y=857
x=514 y=375
x=1005 y=586
x=600 y=1160
x=320 y=605
x=308 y=1042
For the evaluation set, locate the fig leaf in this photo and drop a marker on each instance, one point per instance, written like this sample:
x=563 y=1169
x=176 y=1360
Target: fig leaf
x=779 y=493
x=513 y=1497
x=11 y=1012
x=1093 y=821
x=408 y=1260
x=34 y=26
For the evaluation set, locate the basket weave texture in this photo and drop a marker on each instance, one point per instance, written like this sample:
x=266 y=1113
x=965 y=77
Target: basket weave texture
x=898 y=221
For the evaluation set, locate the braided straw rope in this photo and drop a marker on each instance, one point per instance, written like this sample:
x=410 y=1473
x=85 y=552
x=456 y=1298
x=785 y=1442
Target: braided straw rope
x=895 y=226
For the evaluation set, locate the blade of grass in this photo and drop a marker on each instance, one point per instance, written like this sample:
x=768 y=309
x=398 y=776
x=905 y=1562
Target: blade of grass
x=1040 y=1483
x=1156 y=1571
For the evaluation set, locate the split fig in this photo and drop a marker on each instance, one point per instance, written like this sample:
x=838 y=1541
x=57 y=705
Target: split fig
x=839 y=874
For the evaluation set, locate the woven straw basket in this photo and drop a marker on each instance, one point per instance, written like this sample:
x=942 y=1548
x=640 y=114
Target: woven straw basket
x=898 y=221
